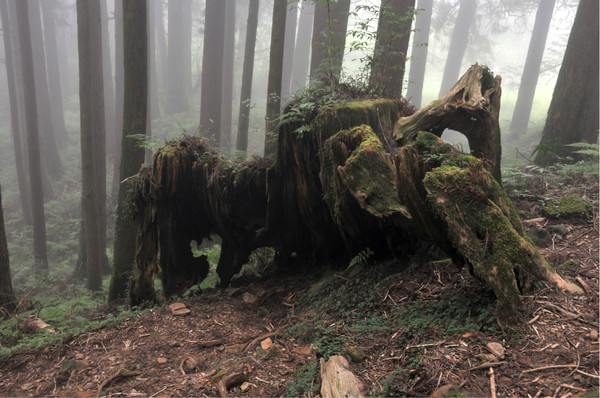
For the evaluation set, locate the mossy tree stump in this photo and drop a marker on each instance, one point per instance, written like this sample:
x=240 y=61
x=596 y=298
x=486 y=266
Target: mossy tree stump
x=358 y=175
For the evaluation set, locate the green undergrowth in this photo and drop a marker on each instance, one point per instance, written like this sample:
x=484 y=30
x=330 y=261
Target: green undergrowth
x=72 y=313
x=369 y=302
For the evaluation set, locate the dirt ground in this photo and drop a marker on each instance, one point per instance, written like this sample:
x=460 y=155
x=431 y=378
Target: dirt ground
x=243 y=335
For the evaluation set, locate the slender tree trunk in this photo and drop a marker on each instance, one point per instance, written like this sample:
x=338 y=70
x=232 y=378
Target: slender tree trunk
x=228 y=53
x=319 y=42
x=391 y=46
x=328 y=41
x=161 y=52
x=33 y=139
x=48 y=137
x=180 y=64
x=134 y=122
x=8 y=300
x=246 y=93
x=573 y=112
x=531 y=70
x=119 y=94
x=458 y=44
x=275 y=74
x=288 y=50
x=212 y=70
x=54 y=76
x=153 y=105
x=418 y=58
x=14 y=101
x=109 y=89
x=91 y=99
x=303 y=38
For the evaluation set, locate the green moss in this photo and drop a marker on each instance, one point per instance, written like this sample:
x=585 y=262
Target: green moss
x=567 y=206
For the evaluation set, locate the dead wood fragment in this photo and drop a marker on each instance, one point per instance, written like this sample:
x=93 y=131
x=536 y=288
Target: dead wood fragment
x=548 y=367
x=492 y=383
x=121 y=374
x=337 y=380
x=258 y=339
x=231 y=381
x=210 y=343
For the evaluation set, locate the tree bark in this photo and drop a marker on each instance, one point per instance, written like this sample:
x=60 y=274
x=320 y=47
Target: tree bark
x=228 y=55
x=246 y=92
x=418 y=57
x=212 y=71
x=132 y=155
x=573 y=112
x=289 y=50
x=33 y=139
x=50 y=154
x=8 y=300
x=531 y=70
x=391 y=47
x=275 y=75
x=10 y=45
x=108 y=88
x=119 y=97
x=303 y=37
x=458 y=44
x=342 y=185
x=180 y=58
x=54 y=76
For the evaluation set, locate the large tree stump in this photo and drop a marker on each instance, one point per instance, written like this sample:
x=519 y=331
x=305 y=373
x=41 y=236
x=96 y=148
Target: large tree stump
x=340 y=184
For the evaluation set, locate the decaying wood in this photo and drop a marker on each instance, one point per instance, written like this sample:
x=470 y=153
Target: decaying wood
x=472 y=107
x=337 y=381
x=228 y=382
x=361 y=175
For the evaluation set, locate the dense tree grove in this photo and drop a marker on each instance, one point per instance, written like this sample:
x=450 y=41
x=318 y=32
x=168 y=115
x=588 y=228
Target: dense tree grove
x=238 y=72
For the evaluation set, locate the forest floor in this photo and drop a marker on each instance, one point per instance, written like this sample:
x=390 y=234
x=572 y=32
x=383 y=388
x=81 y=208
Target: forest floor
x=411 y=332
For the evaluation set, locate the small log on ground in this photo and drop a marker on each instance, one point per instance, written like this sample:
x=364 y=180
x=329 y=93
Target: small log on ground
x=337 y=381
x=341 y=184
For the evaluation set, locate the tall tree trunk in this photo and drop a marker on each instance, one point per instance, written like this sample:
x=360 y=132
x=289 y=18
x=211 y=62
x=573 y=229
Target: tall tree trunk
x=302 y=46
x=153 y=105
x=573 y=112
x=289 y=50
x=134 y=122
x=246 y=92
x=212 y=70
x=108 y=86
x=531 y=70
x=328 y=41
x=8 y=31
x=391 y=47
x=228 y=54
x=458 y=44
x=319 y=42
x=275 y=74
x=8 y=300
x=33 y=139
x=91 y=99
x=119 y=94
x=54 y=76
x=418 y=58
x=48 y=138
x=161 y=52
x=180 y=55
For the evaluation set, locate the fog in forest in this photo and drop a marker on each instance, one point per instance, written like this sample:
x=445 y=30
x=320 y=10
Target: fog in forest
x=496 y=34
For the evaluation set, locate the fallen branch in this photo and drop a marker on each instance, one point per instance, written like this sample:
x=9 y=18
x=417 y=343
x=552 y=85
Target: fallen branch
x=548 y=367
x=121 y=374
x=492 y=383
x=256 y=340
x=488 y=365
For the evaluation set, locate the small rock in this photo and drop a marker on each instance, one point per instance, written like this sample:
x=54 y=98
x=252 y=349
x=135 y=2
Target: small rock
x=593 y=335
x=266 y=343
x=245 y=386
x=448 y=390
x=249 y=298
x=161 y=360
x=355 y=353
x=178 y=309
x=496 y=349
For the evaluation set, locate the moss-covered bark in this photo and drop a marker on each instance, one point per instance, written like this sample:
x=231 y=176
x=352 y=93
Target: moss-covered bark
x=340 y=184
